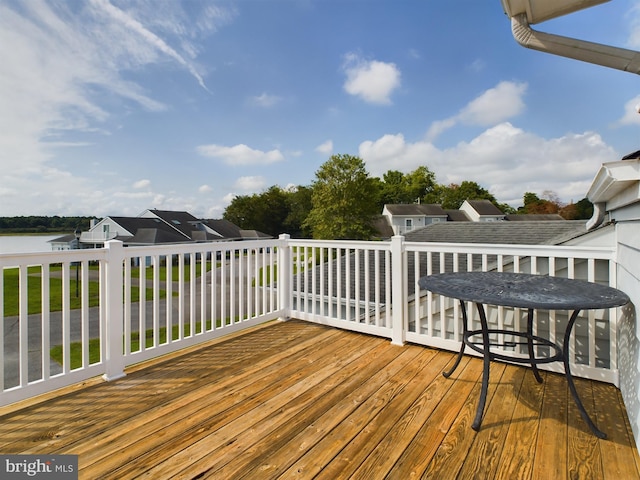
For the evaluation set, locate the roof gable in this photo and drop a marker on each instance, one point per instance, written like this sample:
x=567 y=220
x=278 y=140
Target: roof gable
x=484 y=207
x=181 y=221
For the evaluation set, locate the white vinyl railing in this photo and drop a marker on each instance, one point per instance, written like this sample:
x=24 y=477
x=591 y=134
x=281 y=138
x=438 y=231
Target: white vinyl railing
x=115 y=306
x=373 y=288
x=73 y=315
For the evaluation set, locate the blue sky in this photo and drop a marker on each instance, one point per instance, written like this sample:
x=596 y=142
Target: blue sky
x=110 y=107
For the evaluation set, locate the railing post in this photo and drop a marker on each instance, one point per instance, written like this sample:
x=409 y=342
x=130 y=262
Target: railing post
x=114 y=358
x=398 y=301
x=284 y=276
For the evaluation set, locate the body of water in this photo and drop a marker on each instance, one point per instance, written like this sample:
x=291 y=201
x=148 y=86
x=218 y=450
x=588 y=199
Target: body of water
x=25 y=243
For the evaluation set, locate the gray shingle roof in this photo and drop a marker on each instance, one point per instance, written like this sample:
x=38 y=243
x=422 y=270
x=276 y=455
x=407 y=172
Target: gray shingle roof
x=537 y=217
x=225 y=228
x=416 y=209
x=485 y=207
x=182 y=221
x=510 y=233
x=457 y=216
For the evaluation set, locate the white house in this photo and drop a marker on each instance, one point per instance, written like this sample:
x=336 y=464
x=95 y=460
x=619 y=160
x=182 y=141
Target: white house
x=482 y=211
x=406 y=217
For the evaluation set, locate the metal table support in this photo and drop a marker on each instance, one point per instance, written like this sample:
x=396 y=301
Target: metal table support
x=521 y=291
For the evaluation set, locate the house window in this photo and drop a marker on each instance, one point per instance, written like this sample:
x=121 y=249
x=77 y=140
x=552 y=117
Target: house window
x=105 y=229
x=408 y=223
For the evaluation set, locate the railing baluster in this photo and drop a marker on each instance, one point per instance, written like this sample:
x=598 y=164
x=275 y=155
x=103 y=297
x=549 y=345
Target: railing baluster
x=45 y=327
x=168 y=322
x=84 y=313
x=142 y=304
x=66 y=321
x=348 y=283
x=127 y=308
x=203 y=291
x=314 y=282
x=181 y=299
x=155 y=265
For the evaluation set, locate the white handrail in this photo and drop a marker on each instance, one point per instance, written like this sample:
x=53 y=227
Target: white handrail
x=371 y=287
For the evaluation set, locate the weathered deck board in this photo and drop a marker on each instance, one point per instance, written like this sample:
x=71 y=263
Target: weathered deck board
x=294 y=399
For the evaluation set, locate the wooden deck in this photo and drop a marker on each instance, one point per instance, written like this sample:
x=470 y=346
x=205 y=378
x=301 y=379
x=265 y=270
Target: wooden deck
x=298 y=400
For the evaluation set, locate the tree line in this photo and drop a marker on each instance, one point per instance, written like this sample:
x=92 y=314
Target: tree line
x=43 y=224
x=344 y=201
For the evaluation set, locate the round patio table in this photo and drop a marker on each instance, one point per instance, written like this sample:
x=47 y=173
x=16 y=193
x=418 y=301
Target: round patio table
x=529 y=292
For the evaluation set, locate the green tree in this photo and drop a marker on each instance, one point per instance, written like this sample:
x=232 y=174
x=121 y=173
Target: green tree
x=536 y=205
x=392 y=188
x=299 y=205
x=584 y=209
x=453 y=196
x=420 y=183
x=397 y=187
x=344 y=200
x=265 y=212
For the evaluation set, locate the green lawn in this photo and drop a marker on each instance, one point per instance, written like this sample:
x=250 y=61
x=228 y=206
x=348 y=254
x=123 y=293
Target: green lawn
x=34 y=287
x=94 y=344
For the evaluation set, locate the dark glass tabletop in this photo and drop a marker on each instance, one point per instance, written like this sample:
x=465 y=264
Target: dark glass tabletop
x=524 y=290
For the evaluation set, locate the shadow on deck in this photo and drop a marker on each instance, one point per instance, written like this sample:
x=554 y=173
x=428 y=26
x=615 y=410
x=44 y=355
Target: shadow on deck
x=295 y=399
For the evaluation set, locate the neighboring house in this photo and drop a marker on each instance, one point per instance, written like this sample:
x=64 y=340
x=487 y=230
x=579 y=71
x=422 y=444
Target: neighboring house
x=406 y=217
x=482 y=211
x=154 y=227
x=132 y=231
x=66 y=242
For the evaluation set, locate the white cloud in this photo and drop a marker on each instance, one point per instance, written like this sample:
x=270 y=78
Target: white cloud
x=152 y=43
x=250 y=183
x=142 y=183
x=477 y=65
x=70 y=64
x=503 y=159
x=633 y=41
x=371 y=80
x=495 y=105
x=204 y=189
x=631 y=115
x=325 y=147
x=240 y=154
x=265 y=100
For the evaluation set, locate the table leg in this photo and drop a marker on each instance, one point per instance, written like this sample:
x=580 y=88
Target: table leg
x=532 y=353
x=448 y=373
x=567 y=371
x=485 y=371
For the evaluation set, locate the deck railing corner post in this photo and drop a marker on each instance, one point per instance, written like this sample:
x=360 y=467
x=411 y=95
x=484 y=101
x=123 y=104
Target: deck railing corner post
x=284 y=276
x=114 y=314
x=398 y=301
